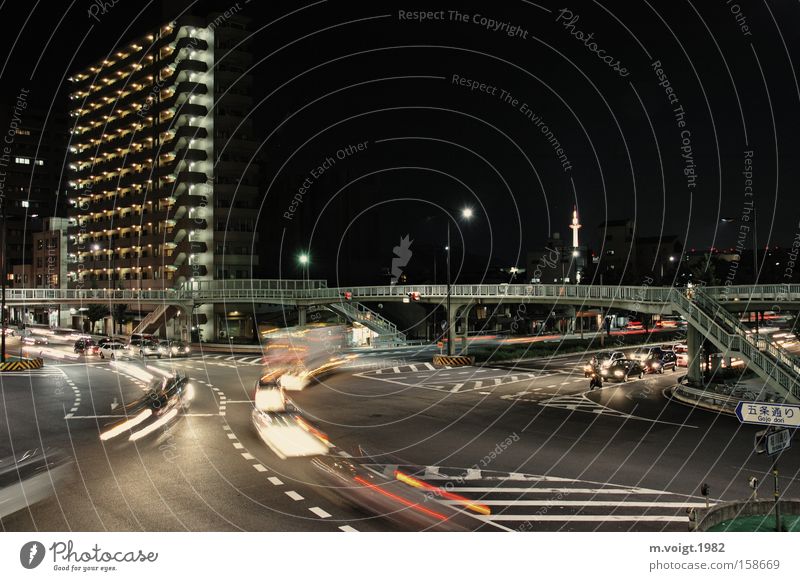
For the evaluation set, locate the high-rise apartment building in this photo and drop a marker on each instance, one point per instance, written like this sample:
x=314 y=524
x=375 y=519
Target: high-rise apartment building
x=162 y=188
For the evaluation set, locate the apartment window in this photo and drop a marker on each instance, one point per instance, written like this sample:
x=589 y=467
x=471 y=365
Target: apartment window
x=23 y=160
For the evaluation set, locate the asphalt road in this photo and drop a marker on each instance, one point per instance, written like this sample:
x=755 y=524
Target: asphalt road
x=528 y=441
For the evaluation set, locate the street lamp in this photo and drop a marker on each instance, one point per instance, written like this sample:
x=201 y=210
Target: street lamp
x=755 y=248
x=466 y=214
x=303 y=260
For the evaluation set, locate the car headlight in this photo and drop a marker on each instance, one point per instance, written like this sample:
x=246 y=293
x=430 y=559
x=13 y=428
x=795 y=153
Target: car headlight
x=618 y=373
x=174 y=349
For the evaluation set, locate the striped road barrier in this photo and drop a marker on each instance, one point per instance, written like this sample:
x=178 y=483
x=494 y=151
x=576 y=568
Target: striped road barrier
x=22 y=364
x=453 y=360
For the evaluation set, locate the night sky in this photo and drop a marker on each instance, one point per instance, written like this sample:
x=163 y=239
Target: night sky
x=333 y=74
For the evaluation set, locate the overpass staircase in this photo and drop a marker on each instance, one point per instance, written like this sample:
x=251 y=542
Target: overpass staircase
x=777 y=367
x=360 y=313
x=156 y=318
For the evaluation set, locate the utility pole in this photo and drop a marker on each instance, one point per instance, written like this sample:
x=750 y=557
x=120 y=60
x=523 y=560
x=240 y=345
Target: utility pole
x=450 y=346
x=777 y=494
x=3 y=284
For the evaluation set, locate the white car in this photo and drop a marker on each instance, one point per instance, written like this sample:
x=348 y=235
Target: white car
x=112 y=350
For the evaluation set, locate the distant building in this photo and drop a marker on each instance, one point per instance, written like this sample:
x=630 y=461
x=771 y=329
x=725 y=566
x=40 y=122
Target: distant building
x=32 y=170
x=617 y=252
x=559 y=261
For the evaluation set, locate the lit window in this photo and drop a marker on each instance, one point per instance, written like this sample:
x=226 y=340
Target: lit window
x=39 y=162
x=23 y=160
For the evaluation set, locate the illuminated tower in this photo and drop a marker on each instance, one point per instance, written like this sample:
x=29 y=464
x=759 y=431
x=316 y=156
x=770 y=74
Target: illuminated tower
x=575 y=226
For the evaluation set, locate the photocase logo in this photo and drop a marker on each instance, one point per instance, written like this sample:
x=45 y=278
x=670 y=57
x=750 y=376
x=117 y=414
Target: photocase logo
x=402 y=256
x=31 y=554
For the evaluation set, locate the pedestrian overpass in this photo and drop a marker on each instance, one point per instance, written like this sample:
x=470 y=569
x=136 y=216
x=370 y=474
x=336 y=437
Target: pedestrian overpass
x=709 y=310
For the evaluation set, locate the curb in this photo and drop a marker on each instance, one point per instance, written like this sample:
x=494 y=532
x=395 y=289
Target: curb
x=675 y=393
x=22 y=364
x=453 y=360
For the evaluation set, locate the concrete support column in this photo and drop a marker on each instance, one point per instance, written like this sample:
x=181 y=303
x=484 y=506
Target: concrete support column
x=465 y=327
x=451 y=328
x=301 y=314
x=694 y=341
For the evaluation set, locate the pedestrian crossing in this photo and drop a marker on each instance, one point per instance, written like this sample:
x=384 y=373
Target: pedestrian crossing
x=41 y=372
x=528 y=502
x=452 y=379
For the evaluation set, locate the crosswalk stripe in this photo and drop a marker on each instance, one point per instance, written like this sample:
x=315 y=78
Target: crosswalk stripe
x=413 y=368
x=550 y=490
x=456 y=387
x=430 y=367
x=584 y=518
x=615 y=503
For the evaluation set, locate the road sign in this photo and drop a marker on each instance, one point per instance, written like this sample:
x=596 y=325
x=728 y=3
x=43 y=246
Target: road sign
x=768 y=414
x=778 y=441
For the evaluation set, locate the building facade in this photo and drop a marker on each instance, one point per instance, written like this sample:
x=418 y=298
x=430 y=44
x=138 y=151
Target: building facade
x=162 y=188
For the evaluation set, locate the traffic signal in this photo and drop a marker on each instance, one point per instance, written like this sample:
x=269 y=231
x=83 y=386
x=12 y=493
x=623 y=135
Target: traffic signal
x=348 y=296
x=414 y=296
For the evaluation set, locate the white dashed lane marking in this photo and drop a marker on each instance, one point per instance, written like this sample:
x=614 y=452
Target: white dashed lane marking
x=293 y=495
x=319 y=512
x=275 y=481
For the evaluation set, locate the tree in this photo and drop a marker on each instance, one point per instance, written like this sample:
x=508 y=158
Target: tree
x=120 y=316
x=96 y=312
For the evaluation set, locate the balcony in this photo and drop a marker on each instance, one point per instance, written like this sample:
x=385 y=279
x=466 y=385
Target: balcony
x=191 y=65
x=191 y=270
x=191 y=154
x=190 y=200
x=190 y=247
x=193 y=88
x=192 y=43
x=187 y=223
x=191 y=109
x=191 y=177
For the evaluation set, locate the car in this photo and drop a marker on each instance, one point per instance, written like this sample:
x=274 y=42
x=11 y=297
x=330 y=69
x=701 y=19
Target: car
x=681 y=350
x=660 y=363
x=645 y=353
x=34 y=340
x=606 y=358
x=84 y=346
x=621 y=369
x=30 y=477
x=169 y=348
x=161 y=404
x=268 y=395
x=145 y=349
x=8 y=332
x=634 y=326
x=112 y=350
x=288 y=435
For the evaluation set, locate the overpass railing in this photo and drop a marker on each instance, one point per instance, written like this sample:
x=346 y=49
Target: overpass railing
x=509 y=291
x=89 y=295
x=254 y=284
x=762 y=292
